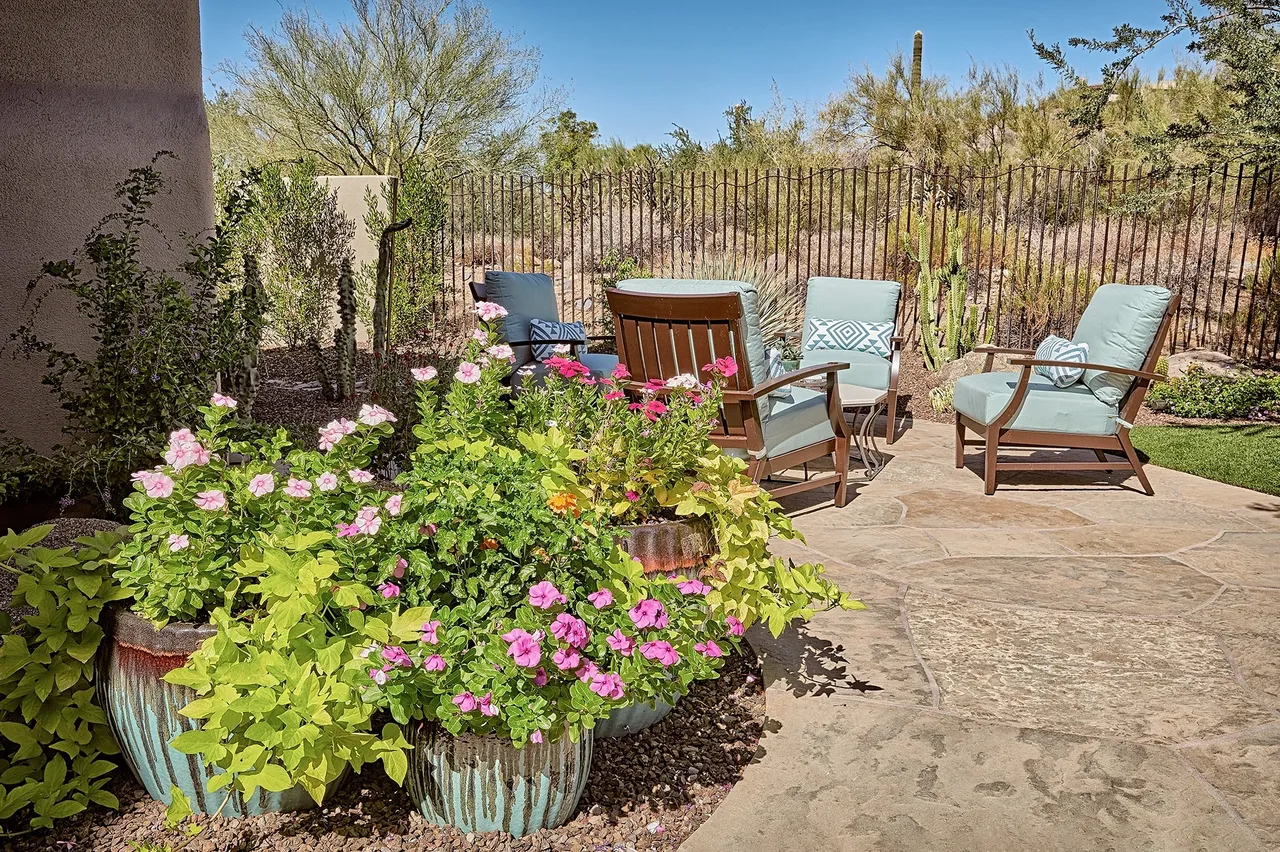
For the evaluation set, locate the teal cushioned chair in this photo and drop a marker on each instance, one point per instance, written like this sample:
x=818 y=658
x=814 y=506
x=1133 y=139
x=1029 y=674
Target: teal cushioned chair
x=865 y=301
x=528 y=296
x=1125 y=327
x=665 y=327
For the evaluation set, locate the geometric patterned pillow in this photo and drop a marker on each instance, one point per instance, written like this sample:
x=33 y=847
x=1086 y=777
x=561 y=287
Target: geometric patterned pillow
x=875 y=338
x=540 y=329
x=1057 y=349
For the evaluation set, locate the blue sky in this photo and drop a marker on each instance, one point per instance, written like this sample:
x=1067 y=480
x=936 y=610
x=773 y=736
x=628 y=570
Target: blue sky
x=638 y=68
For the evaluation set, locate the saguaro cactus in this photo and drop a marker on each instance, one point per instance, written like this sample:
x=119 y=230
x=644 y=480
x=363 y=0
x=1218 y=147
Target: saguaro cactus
x=917 y=59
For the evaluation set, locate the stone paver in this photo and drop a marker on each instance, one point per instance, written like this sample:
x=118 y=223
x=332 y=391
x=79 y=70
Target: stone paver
x=1068 y=664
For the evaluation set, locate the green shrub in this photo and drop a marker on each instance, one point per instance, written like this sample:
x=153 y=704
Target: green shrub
x=1200 y=394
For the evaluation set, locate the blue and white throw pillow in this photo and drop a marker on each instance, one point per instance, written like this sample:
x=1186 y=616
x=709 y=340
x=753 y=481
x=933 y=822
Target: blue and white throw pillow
x=875 y=338
x=1055 y=348
x=540 y=329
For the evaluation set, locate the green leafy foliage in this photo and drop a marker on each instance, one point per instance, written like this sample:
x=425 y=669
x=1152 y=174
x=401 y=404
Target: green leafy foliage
x=54 y=739
x=1200 y=394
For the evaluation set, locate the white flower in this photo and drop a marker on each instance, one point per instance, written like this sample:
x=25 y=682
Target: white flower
x=178 y=541
x=373 y=415
x=687 y=381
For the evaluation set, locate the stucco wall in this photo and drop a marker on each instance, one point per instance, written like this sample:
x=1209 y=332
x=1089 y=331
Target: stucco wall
x=88 y=90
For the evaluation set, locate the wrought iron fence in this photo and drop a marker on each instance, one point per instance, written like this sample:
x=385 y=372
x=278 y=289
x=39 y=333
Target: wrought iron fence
x=1037 y=240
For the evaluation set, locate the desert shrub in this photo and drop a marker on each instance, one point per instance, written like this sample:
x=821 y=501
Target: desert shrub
x=781 y=306
x=1200 y=394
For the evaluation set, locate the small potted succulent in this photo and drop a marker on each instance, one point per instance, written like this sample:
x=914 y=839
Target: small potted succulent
x=788 y=347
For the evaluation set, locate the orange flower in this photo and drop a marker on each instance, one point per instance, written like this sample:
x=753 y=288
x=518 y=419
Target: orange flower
x=563 y=502
x=490 y=544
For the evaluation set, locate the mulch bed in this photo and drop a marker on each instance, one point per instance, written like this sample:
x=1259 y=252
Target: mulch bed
x=646 y=791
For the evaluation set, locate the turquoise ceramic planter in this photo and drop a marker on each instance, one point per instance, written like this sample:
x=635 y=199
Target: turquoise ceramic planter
x=487 y=784
x=143 y=712
x=632 y=719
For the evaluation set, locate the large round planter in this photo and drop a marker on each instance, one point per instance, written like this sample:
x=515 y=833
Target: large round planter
x=632 y=719
x=143 y=712
x=484 y=783
x=670 y=547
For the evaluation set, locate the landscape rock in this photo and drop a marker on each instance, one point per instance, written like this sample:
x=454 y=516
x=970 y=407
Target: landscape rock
x=1213 y=363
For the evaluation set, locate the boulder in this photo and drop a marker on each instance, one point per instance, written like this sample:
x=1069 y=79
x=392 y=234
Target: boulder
x=1213 y=363
x=970 y=364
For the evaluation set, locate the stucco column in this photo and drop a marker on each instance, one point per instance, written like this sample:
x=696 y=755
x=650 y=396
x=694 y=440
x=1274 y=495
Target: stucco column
x=88 y=90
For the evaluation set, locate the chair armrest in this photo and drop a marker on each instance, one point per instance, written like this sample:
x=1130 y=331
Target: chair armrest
x=988 y=349
x=600 y=337
x=1028 y=363
x=758 y=391
x=575 y=341
x=896 y=342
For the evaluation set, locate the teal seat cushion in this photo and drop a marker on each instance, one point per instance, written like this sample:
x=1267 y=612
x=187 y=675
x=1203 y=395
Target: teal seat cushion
x=526 y=296
x=1119 y=326
x=599 y=363
x=851 y=299
x=865 y=369
x=1047 y=408
x=797 y=422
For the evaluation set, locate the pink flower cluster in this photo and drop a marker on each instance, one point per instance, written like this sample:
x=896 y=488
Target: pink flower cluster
x=693 y=587
x=648 y=613
x=524 y=647
x=723 y=367
x=567 y=367
x=154 y=482
x=609 y=686
x=571 y=630
x=545 y=595
x=334 y=431
x=367 y=522
x=222 y=401
x=185 y=450
x=467 y=703
x=490 y=311
x=374 y=415
x=663 y=652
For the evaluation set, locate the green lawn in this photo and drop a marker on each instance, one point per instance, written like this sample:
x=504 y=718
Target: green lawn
x=1247 y=455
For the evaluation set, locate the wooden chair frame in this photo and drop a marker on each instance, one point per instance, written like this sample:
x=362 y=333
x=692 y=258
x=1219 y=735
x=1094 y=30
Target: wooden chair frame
x=995 y=435
x=661 y=335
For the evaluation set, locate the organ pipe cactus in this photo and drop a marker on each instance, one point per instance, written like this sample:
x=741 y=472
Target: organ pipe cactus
x=338 y=374
x=943 y=341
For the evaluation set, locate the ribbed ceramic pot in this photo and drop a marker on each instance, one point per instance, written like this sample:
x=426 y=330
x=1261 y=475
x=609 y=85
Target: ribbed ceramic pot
x=632 y=719
x=680 y=546
x=143 y=711
x=484 y=783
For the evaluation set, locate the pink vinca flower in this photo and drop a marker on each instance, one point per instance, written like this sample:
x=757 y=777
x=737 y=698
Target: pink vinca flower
x=540 y=677
x=479 y=335
x=154 y=483
x=614 y=395
x=378 y=675
x=262 y=484
x=571 y=629
x=501 y=352
x=430 y=631
x=724 y=367
x=487 y=707
x=621 y=642
x=601 y=599
x=468 y=373
x=535 y=737
x=663 y=652
x=708 y=649
x=389 y=590
x=566 y=659
x=178 y=541
x=334 y=431
x=684 y=381
x=434 y=663
x=610 y=686
x=398 y=570
x=393 y=504
x=525 y=650
x=632 y=496
x=693 y=587
x=375 y=415
x=327 y=481
x=465 y=702
x=424 y=374
x=396 y=655
x=219 y=400
x=648 y=613
x=735 y=626
x=588 y=671
x=299 y=488
x=545 y=595
x=360 y=476
x=210 y=501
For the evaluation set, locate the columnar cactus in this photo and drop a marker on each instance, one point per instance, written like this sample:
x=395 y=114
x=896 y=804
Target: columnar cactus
x=959 y=333
x=344 y=336
x=242 y=379
x=382 y=290
x=917 y=59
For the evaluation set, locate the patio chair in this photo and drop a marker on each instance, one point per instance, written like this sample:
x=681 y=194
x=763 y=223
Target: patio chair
x=528 y=296
x=872 y=363
x=1125 y=328
x=666 y=327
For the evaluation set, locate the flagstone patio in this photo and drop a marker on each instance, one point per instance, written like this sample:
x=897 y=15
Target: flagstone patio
x=1068 y=664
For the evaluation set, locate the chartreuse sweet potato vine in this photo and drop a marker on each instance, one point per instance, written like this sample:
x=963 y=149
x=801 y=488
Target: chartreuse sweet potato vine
x=53 y=737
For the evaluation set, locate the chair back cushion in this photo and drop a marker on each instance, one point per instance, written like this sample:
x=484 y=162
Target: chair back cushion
x=1055 y=348
x=526 y=296
x=540 y=329
x=852 y=299
x=1119 y=326
x=874 y=338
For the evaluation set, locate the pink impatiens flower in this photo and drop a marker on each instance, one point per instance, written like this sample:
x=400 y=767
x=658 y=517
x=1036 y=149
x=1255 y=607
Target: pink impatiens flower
x=465 y=702
x=523 y=648
x=609 y=686
x=374 y=415
x=378 y=675
x=735 y=626
x=487 y=707
x=300 y=488
x=693 y=587
x=222 y=401
x=566 y=659
x=424 y=374
x=262 y=484
x=178 y=541
x=663 y=652
x=393 y=504
x=434 y=663
x=210 y=501
x=545 y=595
x=359 y=476
x=429 y=631
x=389 y=590
x=708 y=649
x=648 y=613
x=621 y=642
x=327 y=481
x=571 y=629
x=601 y=599
x=468 y=373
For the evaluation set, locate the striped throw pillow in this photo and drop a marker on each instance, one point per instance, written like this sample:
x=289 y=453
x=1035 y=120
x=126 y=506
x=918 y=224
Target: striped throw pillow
x=1055 y=348
x=875 y=338
x=540 y=329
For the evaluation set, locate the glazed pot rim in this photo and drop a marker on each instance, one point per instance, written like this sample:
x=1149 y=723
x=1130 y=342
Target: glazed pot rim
x=177 y=638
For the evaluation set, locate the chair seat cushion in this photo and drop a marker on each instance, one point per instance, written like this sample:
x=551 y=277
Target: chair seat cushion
x=865 y=369
x=599 y=363
x=1047 y=408
x=797 y=422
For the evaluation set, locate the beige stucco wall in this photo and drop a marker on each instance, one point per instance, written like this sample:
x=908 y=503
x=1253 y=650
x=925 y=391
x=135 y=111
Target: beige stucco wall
x=88 y=90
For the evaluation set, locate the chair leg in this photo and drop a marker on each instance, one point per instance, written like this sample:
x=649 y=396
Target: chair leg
x=1102 y=457
x=959 y=443
x=891 y=411
x=842 y=468
x=1132 y=455
x=993 y=444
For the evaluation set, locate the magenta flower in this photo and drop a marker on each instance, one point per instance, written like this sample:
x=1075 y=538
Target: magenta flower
x=601 y=599
x=566 y=659
x=396 y=655
x=299 y=488
x=327 y=481
x=378 y=675
x=609 y=686
x=621 y=642
x=468 y=373
x=222 y=401
x=693 y=587
x=178 y=541
x=735 y=626
x=429 y=632
x=570 y=629
x=401 y=564
x=487 y=707
x=588 y=671
x=648 y=613
x=374 y=415
x=545 y=595
x=393 y=504
x=614 y=396
x=434 y=663
x=210 y=501
x=525 y=650
x=660 y=651
x=262 y=484
x=360 y=476
x=633 y=496
x=535 y=737
x=540 y=677
x=708 y=649
x=725 y=367
x=465 y=702
x=424 y=374
x=389 y=590
x=620 y=372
